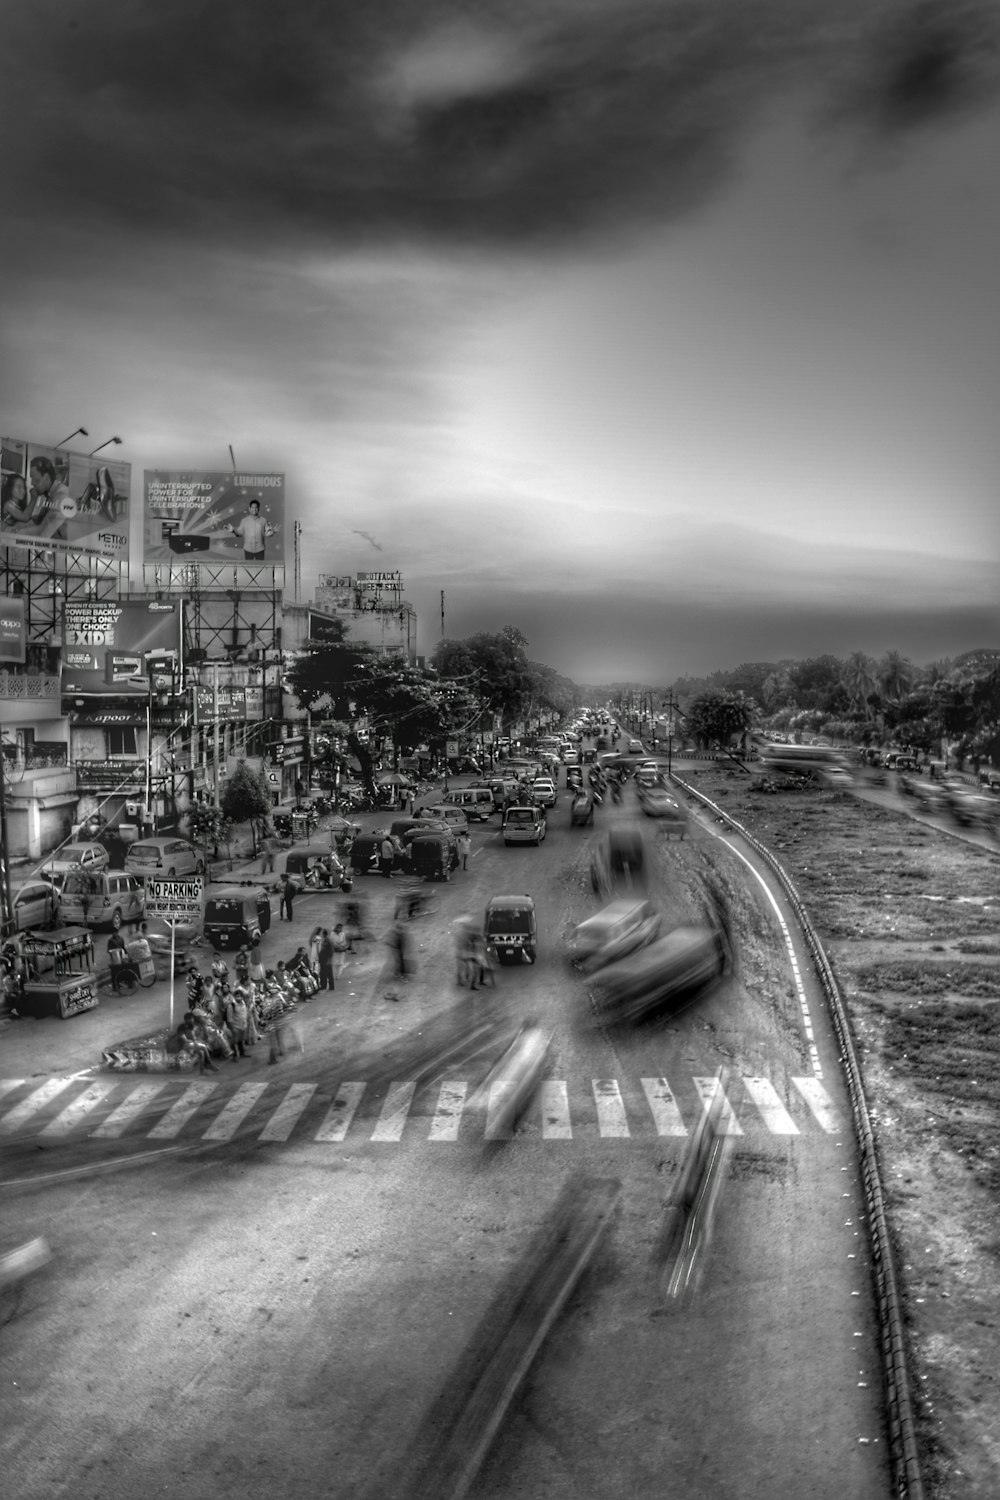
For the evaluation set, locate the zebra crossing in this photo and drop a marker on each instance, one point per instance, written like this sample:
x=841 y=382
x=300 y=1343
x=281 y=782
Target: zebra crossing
x=563 y=1110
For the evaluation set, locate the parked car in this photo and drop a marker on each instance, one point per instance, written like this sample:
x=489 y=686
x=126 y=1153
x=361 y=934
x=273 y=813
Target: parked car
x=102 y=898
x=619 y=929
x=87 y=857
x=36 y=904
x=510 y=929
x=543 y=791
x=168 y=857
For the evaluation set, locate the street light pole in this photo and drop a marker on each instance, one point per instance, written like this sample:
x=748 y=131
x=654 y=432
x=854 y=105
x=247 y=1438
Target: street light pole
x=106 y=444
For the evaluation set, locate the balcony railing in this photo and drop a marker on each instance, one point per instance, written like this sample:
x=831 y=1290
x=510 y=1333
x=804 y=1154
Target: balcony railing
x=22 y=685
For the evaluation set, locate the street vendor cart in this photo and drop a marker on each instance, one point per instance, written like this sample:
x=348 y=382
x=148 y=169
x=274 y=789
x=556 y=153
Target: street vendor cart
x=59 y=977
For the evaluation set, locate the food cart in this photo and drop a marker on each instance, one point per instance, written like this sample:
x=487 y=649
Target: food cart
x=59 y=977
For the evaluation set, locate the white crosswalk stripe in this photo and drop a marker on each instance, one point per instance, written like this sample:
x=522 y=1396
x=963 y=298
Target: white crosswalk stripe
x=820 y=1103
x=281 y=1124
x=611 y=1117
x=553 y=1098
x=173 y=1122
x=564 y=1109
x=81 y=1106
x=664 y=1107
x=10 y=1085
x=130 y=1109
x=448 y=1115
x=394 y=1112
x=226 y=1124
x=15 y=1118
x=341 y=1113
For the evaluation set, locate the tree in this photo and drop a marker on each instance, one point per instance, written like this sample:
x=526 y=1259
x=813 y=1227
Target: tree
x=207 y=827
x=895 y=676
x=860 y=679
x=247 y=799
x=715 y=717
x=493 y=666
x=817 y=682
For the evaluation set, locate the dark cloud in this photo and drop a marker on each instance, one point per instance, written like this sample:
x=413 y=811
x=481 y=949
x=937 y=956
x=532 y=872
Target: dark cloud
x=242 y=119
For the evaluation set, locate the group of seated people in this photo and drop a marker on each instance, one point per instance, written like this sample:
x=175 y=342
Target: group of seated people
x=226 y=1014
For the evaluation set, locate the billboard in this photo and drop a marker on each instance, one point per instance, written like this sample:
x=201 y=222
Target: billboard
x=12 y=636
x=201 y=516
x=105 y=644
x=65 y=501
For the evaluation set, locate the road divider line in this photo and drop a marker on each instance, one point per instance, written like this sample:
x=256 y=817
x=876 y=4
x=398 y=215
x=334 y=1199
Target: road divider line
x=177 y=1116
x=341 y=1112
x=774 y=1114
x=119 y=1119
x=448 y=1115
x=281 y=1124
x=554 y=1100
x=820 y=1103
x=17 y=1116
x=612 y=1120
x=81 y=1106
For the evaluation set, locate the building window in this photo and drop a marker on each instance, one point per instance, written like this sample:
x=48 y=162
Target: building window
x=121 y=741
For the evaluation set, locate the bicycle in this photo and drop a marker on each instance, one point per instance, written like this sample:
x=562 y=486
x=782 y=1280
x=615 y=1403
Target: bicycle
x=127 y=976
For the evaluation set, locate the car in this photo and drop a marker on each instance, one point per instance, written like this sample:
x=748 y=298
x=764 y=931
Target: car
x=36 y=904
x=672 y=970
x=168 y=856
x=617 y=864
x=612 y=933
x=543 y=791
x=896 y=761
x=180 y=940
x=523 y=825
x=443 y=812
x=636 y=747
x=657 y=802
x=87 y=857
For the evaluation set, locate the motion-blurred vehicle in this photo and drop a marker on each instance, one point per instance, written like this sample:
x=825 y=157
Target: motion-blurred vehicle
x=619 y=929
x=523 y=825
x=86 y=857
x=671 y=971
x=185 y=936
x=972 y=809
x=617 y=863
x=899 y=761
x=510 y=930
x=36 y=904
x=513 y=1080
x=582 y=809
x=657 y=802
x=821 y=762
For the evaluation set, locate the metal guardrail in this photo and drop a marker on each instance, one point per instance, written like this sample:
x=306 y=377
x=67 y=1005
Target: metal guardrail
x=896 y=1376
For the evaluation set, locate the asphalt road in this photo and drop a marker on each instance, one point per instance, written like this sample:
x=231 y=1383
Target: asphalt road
x=269 y=1305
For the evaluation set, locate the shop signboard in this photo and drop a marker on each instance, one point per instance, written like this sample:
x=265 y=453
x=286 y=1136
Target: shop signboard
x=204 y=517
x=103 y=641
x=63 y=501
x=174 y=898
x=12 y=636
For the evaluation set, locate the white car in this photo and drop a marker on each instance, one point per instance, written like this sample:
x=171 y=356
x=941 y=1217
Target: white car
x=623 y=926
x=544 y=792
x=87 y=857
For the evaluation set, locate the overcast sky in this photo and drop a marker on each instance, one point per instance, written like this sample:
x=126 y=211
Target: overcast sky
x=669 y=333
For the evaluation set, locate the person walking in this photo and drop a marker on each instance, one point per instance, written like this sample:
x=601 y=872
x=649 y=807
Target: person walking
x=276 y=1028
x=464 y=847
x=326 y=953
x=256 y=969
x=314 y=941
x=387 y=856
x=399 y=942
x=237 y=1019
x=463 y=949
x=270 y=853
x=341 y=943
x=287 y=897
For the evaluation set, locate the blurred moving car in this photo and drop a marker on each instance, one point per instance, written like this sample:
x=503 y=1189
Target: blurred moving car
x=657 y=802
x=617 y=863
x=619 y=929
x=86 y=857
x=186 y=934
x=670 y=971
x=511 y=1083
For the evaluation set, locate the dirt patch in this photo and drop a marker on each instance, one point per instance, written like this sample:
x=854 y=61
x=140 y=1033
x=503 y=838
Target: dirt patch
x=910 y=918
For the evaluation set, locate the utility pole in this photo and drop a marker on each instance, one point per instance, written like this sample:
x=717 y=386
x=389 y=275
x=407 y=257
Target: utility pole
x=442 y=614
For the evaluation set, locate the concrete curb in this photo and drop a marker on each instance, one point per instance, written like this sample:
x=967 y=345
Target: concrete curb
x=895 y=1373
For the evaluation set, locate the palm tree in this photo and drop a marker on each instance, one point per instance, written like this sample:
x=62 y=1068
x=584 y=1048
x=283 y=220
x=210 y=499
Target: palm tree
x=861 y=681
x=895 y=675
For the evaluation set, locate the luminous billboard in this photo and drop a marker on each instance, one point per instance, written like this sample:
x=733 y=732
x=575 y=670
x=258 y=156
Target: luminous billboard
x=200 y=516
x=12 y=634
x=105 y=644
x=66 y=501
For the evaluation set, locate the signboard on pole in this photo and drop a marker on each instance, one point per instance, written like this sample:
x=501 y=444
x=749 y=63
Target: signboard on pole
x=174 y=898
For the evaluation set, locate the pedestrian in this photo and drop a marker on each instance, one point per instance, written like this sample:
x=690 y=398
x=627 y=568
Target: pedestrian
x=326 y=954
x=287 y=897
x=241 y=965
x=116 y=949
x=480 y=966
x=314 y=942
x=256 y=962
x=277 y=1016
x=409 y=802
x=341 y=943
x=399 y=942
x=463 y=949
x=387 y=855
x=464 y=847
x=270 y=853
x=238 y=1020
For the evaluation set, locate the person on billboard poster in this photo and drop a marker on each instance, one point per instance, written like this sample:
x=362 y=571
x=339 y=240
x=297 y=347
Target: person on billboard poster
x=15 y=502
x=253 y=532
x=53 y=502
